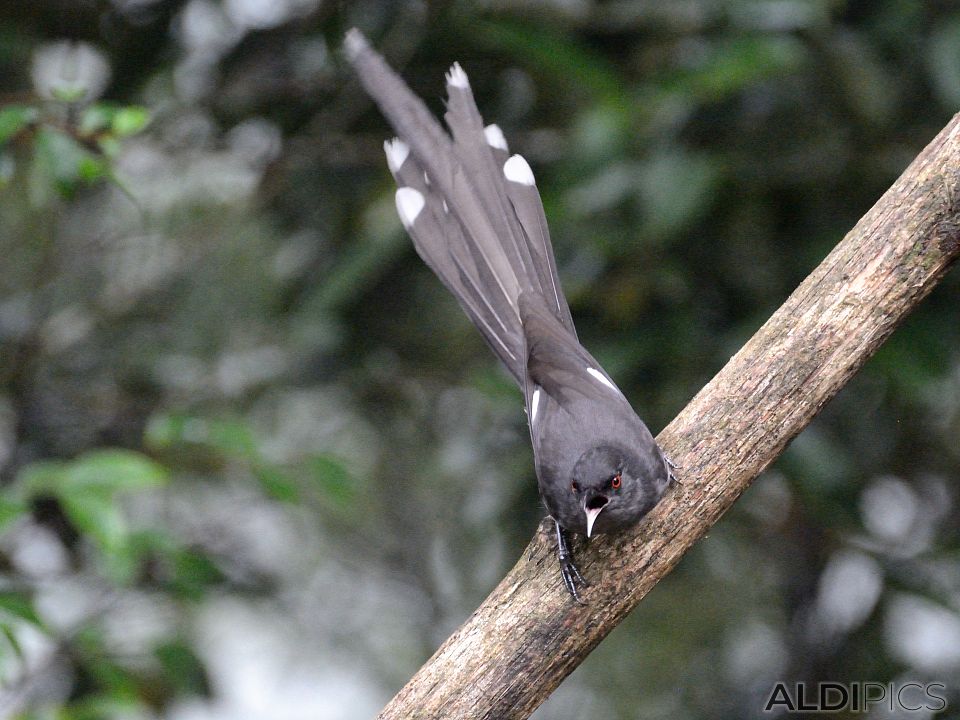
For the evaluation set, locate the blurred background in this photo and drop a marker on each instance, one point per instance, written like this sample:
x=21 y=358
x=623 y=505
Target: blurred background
x=255 y=462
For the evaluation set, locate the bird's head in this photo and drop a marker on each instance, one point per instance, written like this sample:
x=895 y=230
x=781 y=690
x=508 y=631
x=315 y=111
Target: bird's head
x=612 y=489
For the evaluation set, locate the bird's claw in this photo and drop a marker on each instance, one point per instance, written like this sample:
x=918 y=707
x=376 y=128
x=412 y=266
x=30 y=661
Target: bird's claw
x=671 y=466
x=568 y=570
x=571 y=578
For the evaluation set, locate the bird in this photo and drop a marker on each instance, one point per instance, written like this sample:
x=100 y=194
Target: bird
x=476 y=219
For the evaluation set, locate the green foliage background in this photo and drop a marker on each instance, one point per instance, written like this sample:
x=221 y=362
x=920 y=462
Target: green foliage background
x=254 y=461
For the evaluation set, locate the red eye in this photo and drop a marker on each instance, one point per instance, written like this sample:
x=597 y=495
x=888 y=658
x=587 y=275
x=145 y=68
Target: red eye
x=616 y=481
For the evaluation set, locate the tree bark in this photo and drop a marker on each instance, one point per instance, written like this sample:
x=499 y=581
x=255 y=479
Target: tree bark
x=528 y=635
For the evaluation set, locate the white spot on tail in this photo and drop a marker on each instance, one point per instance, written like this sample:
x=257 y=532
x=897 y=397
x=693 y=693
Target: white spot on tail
x=397 y=151
x=602 y=378
x=409 y=204
x=494 y=136
x=446 y=209
x=426 y=178
x=534 y=404
x=457 y=77
x=517 y=170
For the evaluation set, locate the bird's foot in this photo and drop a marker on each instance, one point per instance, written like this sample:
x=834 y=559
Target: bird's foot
x=568 y=570
x=671 y=466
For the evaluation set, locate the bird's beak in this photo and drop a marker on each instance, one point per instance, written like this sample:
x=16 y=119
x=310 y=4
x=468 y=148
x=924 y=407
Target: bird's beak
x=592 y=505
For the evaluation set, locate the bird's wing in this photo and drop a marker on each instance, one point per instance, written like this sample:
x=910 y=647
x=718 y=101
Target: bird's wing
x=557 y=362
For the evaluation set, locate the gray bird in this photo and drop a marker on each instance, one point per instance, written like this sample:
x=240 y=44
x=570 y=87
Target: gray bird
x=475 y=217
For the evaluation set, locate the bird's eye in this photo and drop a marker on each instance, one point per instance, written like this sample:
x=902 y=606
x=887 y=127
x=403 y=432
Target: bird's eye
x=616 y=481
x=575 y=487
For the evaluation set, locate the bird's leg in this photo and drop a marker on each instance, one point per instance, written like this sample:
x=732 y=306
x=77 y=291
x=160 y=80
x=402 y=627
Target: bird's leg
x=571 y=576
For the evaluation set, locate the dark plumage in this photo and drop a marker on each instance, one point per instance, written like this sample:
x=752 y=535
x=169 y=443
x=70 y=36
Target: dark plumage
x=476 y=219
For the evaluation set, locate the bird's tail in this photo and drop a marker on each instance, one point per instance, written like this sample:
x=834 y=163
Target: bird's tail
x=473 y=210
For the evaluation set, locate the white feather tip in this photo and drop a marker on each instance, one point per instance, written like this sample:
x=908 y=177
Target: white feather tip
x=494 y=136
x=410 y=203
x=354 y=43
x=457 y=77
x=397 y=151
x=517 y=170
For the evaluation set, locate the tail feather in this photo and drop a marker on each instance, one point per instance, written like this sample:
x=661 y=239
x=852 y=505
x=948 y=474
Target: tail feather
x=479 y=163
x=477 y=225
x=439 y=240
x=526 y=204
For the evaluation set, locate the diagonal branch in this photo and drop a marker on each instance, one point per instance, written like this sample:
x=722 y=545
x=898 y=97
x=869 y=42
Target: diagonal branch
x=527 y=636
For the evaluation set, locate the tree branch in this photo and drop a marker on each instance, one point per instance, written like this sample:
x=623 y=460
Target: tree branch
x=527 y=636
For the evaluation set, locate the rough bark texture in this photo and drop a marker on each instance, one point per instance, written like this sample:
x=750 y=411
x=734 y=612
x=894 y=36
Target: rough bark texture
x=527 y=636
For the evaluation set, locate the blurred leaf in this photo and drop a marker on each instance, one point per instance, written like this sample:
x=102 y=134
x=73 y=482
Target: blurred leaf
x=130 y=120
x=193 y=574
x=232 y=438
x=100 y=519
x=164 y=431
x=109 y=471
x=738 y=63
x=19 y=605
x=39 y=478
x=153 y=543
x=186 y=573
x=105 y=707
x=60 y=161
x=333 y=478
x=12 y=641
x=96 y=118
x=183 y=668
x=277 y=484
x=110 y=146
x=121 y=121
x=13 y=119
x=10 y=510
x=93 y=168
x=87 y=489
x=114 y=681
x=68 y=94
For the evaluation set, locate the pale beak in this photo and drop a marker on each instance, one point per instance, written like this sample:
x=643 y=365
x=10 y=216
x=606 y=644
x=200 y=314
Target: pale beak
x=591 y=508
